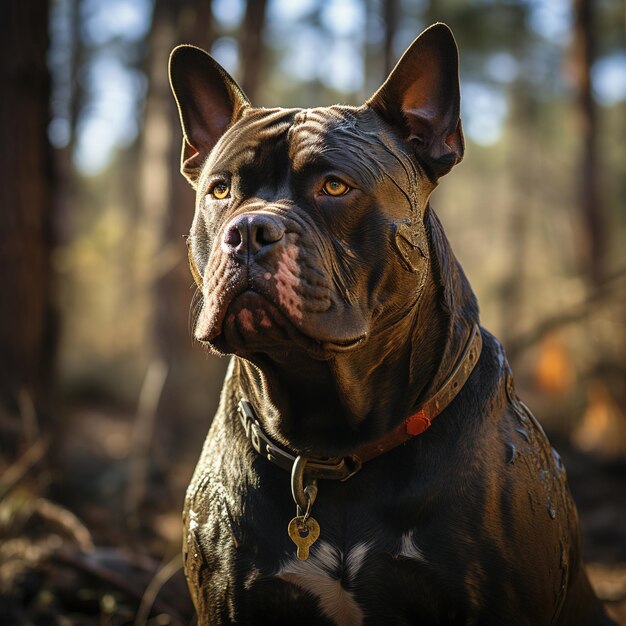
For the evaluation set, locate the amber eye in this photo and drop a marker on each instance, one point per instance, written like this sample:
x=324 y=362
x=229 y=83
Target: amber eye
x=195 y=272
x=334 y=187
x=220 y=190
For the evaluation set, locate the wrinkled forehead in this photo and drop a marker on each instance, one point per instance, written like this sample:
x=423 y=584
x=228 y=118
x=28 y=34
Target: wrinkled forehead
x=328 y=134
x=339 y=138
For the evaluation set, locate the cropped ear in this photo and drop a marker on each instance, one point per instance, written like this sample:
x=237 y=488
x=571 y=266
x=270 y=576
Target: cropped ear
x=209 y=101
x=421 y=97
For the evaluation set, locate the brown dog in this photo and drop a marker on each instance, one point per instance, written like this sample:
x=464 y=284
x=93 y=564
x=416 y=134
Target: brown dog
x=425 y=492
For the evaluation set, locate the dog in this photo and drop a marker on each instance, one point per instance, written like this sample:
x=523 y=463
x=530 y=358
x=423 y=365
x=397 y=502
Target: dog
x=370 y=461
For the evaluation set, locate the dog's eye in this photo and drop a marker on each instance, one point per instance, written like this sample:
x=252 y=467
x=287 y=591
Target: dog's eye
x=220 y=190
x=335 y=187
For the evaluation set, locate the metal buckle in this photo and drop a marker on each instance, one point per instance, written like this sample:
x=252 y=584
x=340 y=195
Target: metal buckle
x=335 y=468
x=338 y=468
x=261 y=444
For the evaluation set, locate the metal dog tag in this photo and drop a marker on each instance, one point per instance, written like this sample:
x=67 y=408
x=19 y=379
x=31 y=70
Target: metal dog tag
x=304 y=534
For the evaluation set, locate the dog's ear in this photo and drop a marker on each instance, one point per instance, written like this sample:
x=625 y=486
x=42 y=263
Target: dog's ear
x=421 y=97
x=209 y=101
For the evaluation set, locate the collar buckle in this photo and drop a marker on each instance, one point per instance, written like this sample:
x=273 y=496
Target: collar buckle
x=343 y=468
x=337 y=468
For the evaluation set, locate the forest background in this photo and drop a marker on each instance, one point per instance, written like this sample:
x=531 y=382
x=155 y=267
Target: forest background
x=104 y=396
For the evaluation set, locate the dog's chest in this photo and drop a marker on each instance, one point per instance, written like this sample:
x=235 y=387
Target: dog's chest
x=344 y=581
x=331 y=576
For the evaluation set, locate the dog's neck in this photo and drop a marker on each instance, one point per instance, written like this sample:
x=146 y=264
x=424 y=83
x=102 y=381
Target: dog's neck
x=455 y=297
x=327 y=408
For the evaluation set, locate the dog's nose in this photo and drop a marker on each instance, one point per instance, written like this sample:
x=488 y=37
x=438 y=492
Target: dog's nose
x=249 y=233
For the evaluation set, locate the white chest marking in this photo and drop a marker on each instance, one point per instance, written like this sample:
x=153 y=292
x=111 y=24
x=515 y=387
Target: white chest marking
x=409 y=549
x=322 y=574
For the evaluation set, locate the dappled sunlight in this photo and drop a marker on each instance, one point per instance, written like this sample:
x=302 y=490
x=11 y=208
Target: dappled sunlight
x=106 y=397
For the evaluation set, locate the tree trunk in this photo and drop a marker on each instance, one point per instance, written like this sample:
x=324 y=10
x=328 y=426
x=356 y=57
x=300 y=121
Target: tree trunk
x=191 y=388
x=522 y=184
x=26 y=320
x=594 y=229
x=188 y=22
x=391 y=12
x=252 y=48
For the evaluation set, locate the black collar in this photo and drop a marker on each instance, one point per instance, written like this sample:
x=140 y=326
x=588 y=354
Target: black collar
x=342 y=468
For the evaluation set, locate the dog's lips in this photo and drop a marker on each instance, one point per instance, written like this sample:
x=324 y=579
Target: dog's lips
x=251 y=322
x=241 y=304
x=343 y=346
x=253 y=313
x=209 y=326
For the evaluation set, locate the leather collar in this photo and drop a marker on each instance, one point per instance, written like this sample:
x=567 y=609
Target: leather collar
x=342 y=468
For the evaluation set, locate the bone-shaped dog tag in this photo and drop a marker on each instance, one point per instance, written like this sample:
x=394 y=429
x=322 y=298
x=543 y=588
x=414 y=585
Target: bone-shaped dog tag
x=304 y=534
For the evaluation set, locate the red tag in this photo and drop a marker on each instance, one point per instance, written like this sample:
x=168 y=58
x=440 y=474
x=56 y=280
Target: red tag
x=417 y=423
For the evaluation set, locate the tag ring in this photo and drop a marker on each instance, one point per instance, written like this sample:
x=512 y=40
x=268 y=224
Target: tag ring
x=304 y=494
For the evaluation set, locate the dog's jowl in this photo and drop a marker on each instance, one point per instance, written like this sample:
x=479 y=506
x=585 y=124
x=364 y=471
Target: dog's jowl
x=370 y=462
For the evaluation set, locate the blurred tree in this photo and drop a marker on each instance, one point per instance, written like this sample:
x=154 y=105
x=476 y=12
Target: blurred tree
x=391 y=10
x=167 y=198
x=594 y=235
x=175 y=21
x=168 y=201
x=371 y=59
x=78 y=58
x=252 y=47
x=26 y=318
x=522 y=174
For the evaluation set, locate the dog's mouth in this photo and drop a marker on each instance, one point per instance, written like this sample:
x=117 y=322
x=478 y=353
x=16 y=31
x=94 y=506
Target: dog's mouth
x=251 y=323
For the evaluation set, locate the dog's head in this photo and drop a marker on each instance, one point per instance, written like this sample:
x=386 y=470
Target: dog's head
x=309 y=232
